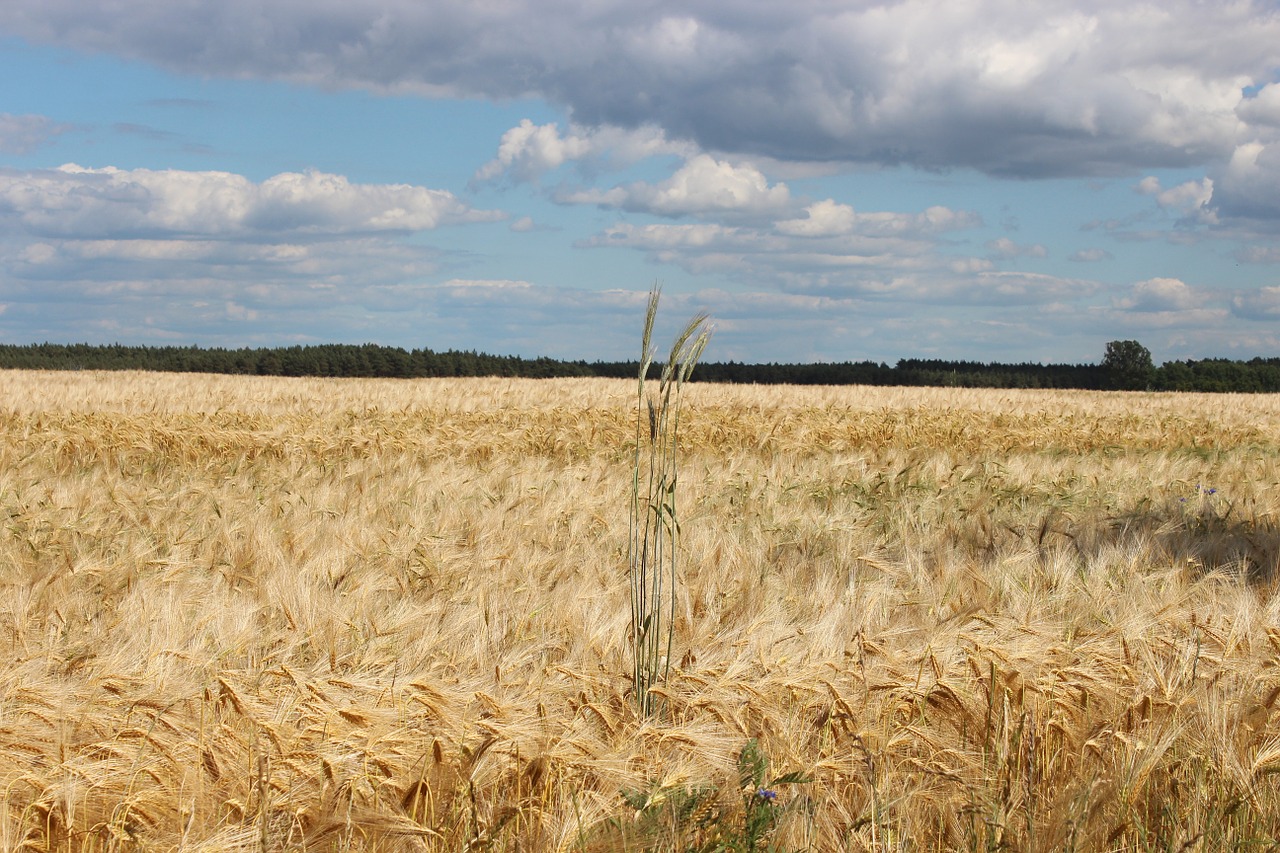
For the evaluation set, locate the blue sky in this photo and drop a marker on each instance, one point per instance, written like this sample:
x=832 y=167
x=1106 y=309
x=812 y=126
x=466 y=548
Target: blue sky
x=829 y=180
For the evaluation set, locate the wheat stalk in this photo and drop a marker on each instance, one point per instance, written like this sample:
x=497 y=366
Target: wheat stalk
x=653 y=521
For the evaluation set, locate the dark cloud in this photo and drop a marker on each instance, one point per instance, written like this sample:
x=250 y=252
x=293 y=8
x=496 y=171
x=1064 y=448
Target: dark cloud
x=182 y=103
x=1034 y=89
x=144 y=131
x=22 y=134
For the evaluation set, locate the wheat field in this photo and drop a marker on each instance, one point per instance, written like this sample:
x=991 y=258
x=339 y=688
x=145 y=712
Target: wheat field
x=293 y=614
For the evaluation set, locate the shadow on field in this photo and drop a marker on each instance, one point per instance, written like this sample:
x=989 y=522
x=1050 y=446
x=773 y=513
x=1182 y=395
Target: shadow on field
x=1243 y=547
x=1202 y=533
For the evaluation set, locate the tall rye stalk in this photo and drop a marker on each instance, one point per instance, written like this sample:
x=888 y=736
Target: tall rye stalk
x=654 y=524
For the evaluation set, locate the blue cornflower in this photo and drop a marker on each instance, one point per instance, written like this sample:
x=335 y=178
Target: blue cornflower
x=767 y=795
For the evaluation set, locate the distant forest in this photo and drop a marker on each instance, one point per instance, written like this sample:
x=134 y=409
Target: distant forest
x=1127 y=365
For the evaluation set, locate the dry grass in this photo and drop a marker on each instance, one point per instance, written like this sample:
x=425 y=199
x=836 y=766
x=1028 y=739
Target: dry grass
x=245 y=614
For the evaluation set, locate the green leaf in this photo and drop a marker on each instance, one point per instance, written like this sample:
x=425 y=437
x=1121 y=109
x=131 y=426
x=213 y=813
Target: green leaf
x=751 y=765
x=796 y=777
x=637 y=800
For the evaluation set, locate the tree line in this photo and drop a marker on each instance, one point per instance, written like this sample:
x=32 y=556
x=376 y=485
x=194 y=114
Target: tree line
x=1126 y=365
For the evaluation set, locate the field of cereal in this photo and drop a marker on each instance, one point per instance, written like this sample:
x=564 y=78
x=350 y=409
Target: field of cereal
x=302 y=614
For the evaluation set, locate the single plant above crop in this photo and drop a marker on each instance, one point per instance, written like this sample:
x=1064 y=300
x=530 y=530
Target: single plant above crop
x=654 y=523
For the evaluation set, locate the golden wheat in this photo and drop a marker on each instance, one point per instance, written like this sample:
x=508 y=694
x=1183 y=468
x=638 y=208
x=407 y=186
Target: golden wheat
x=245 y=614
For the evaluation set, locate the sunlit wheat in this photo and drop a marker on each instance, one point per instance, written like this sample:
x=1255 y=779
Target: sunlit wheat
x=249 y=613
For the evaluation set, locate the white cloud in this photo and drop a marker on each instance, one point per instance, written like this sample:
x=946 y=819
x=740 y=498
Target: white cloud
x=1024 y=89
x=1032 y=288
x=969 y=266
x=829 y=218
x=825 y=218
x=1150 y=185
x=73 y=201
x=1263 y=109
x=529 y=151
x=1262 y=304
x=1002 y=248
x=754 y=323
x=1266 y=254
x=836 y=251
x=1249 y=185
x=659 y=237
x=1160 y=294
x=159 y=255
x=1090 y=255
x=703 y=185
x=487 y=284
x=1185 y=198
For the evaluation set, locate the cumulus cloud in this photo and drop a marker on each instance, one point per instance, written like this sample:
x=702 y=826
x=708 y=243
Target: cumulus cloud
x=1262 y=304
x=829 y=218
x=72 y=201
x=160 y=255
x=1160 y=294
x=1004 y=249
x=1249 y=186
x=1268 y=254
x=528 y=151
x=486 y=285
x=1185 y=199
x=826 y=218
x=1263 y=109
x=837 y=252
x=1021 y=288
x=1091 y=255
x=660 y=237
x=1020 y=89
x=25 y=133
x=703 y=185
x=879 y=238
